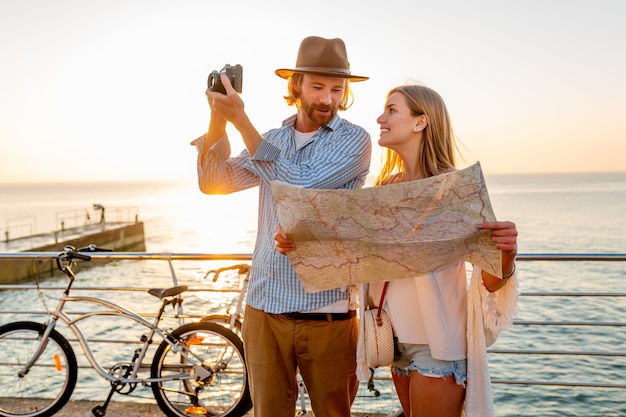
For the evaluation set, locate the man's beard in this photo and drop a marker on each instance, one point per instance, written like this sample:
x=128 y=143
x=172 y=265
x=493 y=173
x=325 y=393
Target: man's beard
x=317 y=118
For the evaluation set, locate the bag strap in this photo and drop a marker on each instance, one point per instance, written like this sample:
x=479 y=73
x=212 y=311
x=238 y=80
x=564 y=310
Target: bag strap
x=379 y=320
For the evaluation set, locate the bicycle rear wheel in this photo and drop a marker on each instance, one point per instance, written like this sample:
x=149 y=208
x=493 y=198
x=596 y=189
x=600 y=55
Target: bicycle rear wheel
x=49 y=383
x=224 y=320
x=225 y=393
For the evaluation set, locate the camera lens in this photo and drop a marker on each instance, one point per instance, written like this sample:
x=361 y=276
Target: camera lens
x=214 y=83
x=211 y=81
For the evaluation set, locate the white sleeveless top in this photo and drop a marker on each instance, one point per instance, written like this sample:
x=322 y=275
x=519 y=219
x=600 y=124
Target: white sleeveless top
x=430 y=309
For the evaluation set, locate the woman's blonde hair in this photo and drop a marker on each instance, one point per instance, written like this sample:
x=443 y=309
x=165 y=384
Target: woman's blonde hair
x=437 y=152
x=293 y=96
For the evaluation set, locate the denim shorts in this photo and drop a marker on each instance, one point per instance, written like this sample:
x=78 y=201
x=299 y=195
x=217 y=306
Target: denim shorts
x=410 y=357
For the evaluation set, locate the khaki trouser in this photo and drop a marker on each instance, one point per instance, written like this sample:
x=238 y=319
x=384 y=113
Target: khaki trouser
x=325 y=352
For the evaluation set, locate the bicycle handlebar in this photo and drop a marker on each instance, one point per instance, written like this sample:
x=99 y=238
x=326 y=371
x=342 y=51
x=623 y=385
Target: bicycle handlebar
x=241 y=269
x=70 y=253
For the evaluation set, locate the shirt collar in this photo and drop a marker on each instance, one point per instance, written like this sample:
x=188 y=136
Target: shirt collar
x=333 y=125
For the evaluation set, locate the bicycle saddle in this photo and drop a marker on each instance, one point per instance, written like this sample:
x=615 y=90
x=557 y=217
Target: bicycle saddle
x=167 y=292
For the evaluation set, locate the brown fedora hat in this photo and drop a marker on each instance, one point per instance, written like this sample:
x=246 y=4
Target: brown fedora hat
x=322 y=56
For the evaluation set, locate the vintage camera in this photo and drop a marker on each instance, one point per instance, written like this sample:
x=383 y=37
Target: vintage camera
x=234 y=74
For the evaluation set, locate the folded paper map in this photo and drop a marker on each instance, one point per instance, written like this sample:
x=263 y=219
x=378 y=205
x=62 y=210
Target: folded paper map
x=346 y=237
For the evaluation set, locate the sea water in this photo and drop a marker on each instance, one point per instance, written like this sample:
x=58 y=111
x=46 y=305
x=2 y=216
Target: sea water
x=556 y=213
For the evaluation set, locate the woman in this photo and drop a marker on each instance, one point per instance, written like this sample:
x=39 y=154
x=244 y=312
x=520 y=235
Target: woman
x=442 y=329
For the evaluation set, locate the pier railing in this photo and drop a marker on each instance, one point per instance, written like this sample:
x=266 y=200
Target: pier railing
x=501 y=356
x=25 y=227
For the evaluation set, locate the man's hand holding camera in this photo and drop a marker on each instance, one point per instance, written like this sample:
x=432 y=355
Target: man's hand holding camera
x=234 y=74
x=227 y=106
x=223 y=97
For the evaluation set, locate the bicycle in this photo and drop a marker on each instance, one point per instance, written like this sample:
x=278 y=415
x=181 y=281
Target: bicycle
x=233 y=318
x=197 y=369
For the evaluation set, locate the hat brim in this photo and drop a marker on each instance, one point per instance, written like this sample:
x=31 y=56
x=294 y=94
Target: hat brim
x=286 y=73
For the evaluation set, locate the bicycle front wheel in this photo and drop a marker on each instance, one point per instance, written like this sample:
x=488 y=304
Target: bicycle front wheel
x=49 y=383
x=223 y=391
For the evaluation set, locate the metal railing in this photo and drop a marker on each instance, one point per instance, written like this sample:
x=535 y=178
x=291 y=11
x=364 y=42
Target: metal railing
x=620 y=323
x=585 y=351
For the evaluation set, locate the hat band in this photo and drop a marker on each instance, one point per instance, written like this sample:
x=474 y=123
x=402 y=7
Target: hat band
x=323 y=69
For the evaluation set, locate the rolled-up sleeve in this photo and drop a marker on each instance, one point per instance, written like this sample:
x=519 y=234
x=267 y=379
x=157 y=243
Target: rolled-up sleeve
x=217 y=172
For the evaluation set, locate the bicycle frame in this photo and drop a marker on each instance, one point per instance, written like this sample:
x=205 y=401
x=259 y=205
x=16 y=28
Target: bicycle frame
x=116 y=311
x=237 y=315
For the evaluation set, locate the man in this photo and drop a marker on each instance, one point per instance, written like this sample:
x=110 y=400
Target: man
x=286 y=328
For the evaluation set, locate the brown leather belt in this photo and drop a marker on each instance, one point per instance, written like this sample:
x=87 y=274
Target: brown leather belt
x=321 y=316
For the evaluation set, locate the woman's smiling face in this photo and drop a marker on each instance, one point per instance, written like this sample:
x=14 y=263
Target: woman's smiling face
x=396 y=122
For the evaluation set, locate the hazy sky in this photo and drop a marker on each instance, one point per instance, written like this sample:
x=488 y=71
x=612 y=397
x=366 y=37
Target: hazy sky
x=112 y=90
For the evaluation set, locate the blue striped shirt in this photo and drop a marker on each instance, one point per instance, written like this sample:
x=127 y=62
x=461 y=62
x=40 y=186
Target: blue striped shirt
x=336 y=157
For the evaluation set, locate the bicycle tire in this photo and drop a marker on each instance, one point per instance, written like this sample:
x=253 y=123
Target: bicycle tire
x=225 y=394
x=224 y=320
x=50 y=382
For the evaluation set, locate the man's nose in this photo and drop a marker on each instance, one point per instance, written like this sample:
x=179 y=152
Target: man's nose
x=326 y=98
